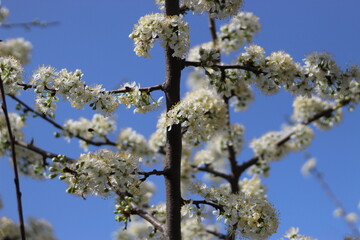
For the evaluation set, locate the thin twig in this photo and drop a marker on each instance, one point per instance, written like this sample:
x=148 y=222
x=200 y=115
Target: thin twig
x=57 y=125
x=216 y=234
x=148 y=174
x=224 y=67
x=325 y=186
x=129 y=89
x=29 y=25
x=204 y=202
x=13 y=156
x=42 y=152
x=207 y=169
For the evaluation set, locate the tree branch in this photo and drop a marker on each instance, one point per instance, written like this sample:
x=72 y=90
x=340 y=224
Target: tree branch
x=13 y=157
x=29 y=25
x=224 y=67
x=207 y=169
x=57 y=125
x=148 y=217
x=148 y=174
x=217 y=234
x=43 y=153
x=283 y=140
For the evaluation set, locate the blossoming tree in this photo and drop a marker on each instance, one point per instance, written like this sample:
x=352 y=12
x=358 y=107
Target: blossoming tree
x=195 y=146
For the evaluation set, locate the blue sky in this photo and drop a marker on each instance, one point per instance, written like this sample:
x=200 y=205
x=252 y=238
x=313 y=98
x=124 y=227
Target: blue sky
x=93 y=36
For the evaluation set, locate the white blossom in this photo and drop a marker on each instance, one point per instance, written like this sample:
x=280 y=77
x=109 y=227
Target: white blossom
x=172 y=30
x=69 y=85
x=201 y=113
x=11 y=74
x=292 y=234
x=255 y=217
x=305 y=108
x=241 y=28
x=130 y=140
x=17 y=48
x=141 y=100
x=216 y=9
x=95 y=129
x=308 y=166
x=4 y=12
x=351 y=217
x=35 y=229
x=100 y=173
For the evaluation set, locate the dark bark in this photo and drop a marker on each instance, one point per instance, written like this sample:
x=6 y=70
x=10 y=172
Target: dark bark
x=173 y=138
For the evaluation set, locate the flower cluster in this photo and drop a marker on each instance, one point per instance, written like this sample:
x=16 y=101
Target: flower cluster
x=99 y=173
x=306 y=108
x=38 y=229
x=4 y=12
x=201 y=113
x=253 y=187
x=95 y=129
x=254 y=218
x=17 y=123
x=292 y=234
x=48 y=82
x=319 y=75
x=205 y=53
x=216 y=152
x=308 y=166
x=268 y=149
x=172 y=30
x=241 y=28
x=11 y=74
x=130 y=140
x=141 y=100
x=216 y=9
x=228 y=83
x=17 y=48
x=138 y=230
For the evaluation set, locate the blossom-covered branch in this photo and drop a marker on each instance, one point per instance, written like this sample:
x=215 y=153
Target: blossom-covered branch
x=287 y=137
x=57 y=125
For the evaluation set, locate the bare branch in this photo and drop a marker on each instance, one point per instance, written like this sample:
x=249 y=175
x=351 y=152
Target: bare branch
x=29 y=25
x=224 y=67
x=148 y=174
x=13 y=157
x=148 y=217
x=217 y=234
x=129 y=89
x=207 y=169
x=40 y=151
x=198 y=202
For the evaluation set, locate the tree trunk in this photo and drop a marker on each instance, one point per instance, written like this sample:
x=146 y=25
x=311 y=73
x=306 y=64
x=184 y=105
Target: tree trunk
x=173 y=138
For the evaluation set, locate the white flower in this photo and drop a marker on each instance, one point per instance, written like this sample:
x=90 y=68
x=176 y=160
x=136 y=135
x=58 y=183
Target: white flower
x=351 y=217
x=308 y=166
x=216 y=9
x=17 y=48
x=241 y=28
x=339 y=212
x=101 y=173
x=305 y=108
x=201 y=113
x=172 y=30
x=4 y=12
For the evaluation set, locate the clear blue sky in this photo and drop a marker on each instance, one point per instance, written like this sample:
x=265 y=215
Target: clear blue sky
x=93 y=36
